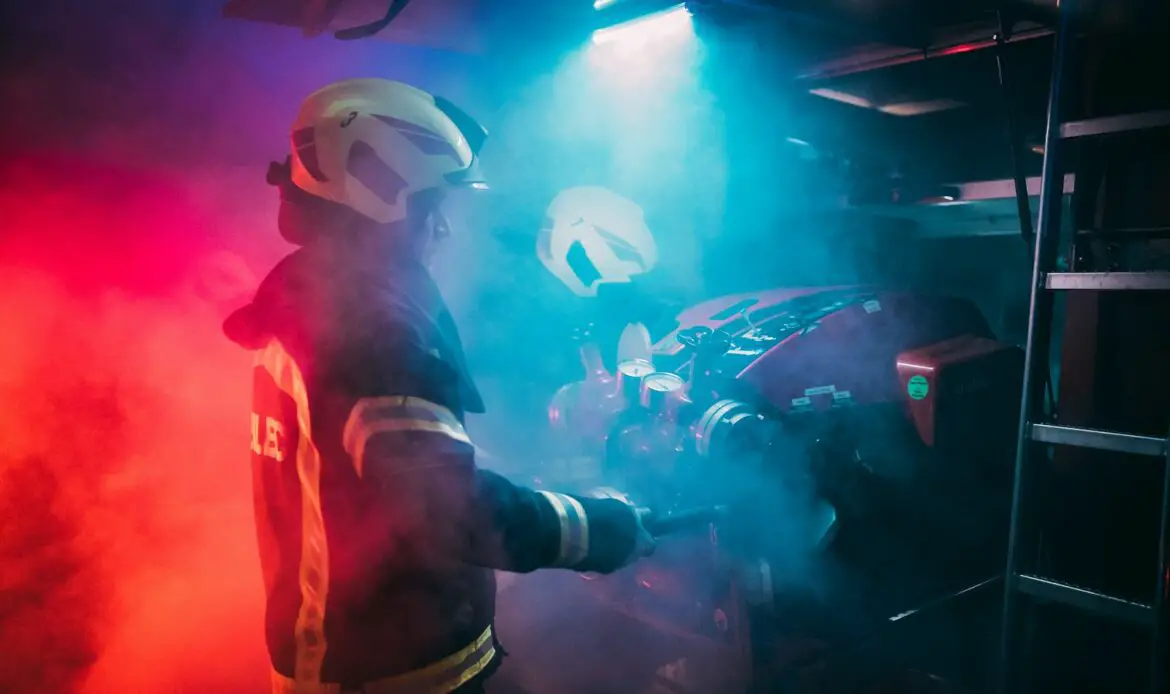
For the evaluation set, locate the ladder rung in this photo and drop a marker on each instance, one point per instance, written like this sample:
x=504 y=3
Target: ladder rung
x=1136 y=232
x=1099 y=439
x=1087 y=600
x=1115 y=124
x=1133 y=281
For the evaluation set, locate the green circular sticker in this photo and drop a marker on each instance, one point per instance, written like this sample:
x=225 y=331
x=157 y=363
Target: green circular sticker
x=918 y=387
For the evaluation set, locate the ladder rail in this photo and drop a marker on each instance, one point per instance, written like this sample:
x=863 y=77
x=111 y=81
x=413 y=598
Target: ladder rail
x=1158 y=651
x=1038 y=341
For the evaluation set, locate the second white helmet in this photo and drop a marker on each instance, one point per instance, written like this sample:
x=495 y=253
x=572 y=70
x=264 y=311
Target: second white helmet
x=592 y=236
x=369 y=144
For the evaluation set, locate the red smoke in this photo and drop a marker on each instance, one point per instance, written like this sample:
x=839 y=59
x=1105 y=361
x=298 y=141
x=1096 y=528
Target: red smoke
x=127 y=556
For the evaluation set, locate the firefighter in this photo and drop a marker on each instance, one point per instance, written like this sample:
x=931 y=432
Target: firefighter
x=378 y=534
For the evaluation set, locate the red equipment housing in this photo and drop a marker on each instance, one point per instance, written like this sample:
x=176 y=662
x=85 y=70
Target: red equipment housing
x=951 y=384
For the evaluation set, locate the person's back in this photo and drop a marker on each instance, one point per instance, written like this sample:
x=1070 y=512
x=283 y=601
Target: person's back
x=378 y=533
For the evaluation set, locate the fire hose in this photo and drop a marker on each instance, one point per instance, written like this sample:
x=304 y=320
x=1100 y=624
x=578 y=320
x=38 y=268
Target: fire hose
x=688 y=519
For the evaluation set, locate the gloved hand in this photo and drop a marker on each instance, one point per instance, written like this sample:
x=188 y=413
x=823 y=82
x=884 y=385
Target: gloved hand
x=644 y=542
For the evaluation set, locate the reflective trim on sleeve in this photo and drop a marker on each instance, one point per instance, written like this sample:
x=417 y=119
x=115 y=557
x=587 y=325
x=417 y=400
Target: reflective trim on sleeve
x=442 y=677
x=372 y=416
x=574 y=529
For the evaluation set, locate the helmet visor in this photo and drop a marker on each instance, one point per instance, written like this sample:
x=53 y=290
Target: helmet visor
x=471 y=177
x=475 y=134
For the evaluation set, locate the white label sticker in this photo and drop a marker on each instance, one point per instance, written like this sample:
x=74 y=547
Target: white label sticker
x=801 y=402
x=872 y=306
x=842 y=395
x=820 y=390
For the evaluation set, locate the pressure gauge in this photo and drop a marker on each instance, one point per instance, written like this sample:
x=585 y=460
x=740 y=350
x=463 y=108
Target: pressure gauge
x=630 y=375
x=636 y=368
x=663 y=381
x=659 y=387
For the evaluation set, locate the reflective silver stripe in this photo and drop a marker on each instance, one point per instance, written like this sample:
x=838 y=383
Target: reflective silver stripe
x=574 y=529
x=371 y=416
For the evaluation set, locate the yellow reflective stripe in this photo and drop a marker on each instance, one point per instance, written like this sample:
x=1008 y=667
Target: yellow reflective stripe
x=441 y=677
x=372 y=416
x=574 y=524
x=285 y=685
x=314 y=560
x=447 y=675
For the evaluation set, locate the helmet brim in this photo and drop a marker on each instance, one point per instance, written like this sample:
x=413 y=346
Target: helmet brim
x=471 y=177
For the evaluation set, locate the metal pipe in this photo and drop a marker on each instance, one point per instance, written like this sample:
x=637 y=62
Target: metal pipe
x=1015 y=137
x=828 y=70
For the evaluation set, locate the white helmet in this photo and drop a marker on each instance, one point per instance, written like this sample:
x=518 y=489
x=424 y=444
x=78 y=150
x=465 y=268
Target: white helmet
x=369 y=144
x=593 y=236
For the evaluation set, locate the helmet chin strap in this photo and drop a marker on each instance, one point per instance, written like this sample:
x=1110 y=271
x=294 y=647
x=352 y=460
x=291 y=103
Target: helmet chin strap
x=426 y=240
x=426 y=226
x=439 y=226
x=279 y=172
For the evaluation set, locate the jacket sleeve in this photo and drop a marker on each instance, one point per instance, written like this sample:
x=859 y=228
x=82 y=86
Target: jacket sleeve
x=416 y=466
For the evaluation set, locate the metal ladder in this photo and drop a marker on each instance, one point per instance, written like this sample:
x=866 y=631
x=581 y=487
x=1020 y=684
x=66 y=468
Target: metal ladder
x=1035 y=433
